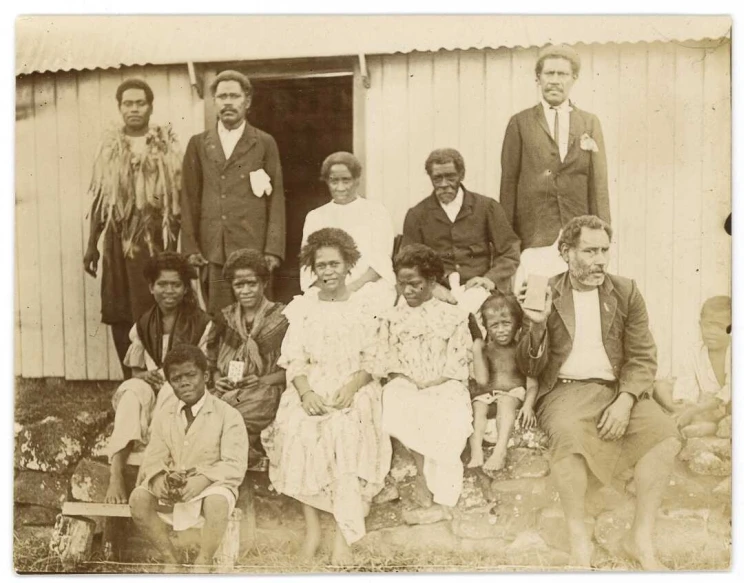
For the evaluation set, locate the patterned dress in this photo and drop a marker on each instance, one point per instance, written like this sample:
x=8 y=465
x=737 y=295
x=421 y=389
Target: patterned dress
x=425 y=343
x=335 y=462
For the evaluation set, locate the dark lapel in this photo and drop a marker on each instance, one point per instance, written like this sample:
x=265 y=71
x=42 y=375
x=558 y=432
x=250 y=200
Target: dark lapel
x=563 y=303
x=435 y=210
x=468 y=202
x=245 y=143
x=539 y=114
x=607 y=305
x=213 y=146
x=576 y=128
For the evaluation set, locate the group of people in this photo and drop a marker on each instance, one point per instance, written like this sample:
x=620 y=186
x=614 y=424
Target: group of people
x=422 y=346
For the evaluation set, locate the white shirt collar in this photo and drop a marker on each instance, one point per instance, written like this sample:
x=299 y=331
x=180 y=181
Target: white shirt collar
x=195 y=408
x=564 y=107
x=223 y=131
x=452 y=209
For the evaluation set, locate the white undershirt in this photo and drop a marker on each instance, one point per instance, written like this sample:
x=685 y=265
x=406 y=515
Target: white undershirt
x=588 y=358
x=229 y=138
x=564 y=121
x=452 y=209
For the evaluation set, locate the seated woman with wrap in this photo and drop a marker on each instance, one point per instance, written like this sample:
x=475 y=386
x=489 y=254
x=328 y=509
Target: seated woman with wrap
x=174 y=319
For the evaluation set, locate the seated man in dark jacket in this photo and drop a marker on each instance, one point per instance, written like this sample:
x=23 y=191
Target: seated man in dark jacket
x=595 y=358
x=469 y=231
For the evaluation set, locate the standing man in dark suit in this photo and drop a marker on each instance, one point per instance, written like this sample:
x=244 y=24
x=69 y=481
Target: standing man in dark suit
x=469 y=231
x=233 y=193
x=553 y=165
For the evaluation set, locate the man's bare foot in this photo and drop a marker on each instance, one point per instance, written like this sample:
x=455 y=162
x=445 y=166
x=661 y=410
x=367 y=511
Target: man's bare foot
x=421 y=494
x=116 y=492
x=310 y=545
x=581 y=554
x=341 y=555
x=497 y=461
x=644 y=554
x=476 y=458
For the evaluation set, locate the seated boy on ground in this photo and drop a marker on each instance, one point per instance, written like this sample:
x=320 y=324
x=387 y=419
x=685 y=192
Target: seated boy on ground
x=200 y=441
x=702 y=392
x=499 y=382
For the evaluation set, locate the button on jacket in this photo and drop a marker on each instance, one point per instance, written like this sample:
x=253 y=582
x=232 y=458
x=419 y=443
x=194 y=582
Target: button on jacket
x=479 y=242
x=539 y=193
x=219 y=211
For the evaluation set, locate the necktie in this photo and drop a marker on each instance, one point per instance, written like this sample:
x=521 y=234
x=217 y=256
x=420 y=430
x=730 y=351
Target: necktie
x=556 y=126
x=189 y=416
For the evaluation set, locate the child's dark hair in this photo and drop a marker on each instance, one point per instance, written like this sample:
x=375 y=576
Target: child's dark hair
x=499 y=300
x=181 y=354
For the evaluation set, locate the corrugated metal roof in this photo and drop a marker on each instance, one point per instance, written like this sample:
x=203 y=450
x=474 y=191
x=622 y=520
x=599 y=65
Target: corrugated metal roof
x=61 y=43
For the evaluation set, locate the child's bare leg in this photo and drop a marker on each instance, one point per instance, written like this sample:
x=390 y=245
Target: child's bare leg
x=480 y=417
x=421 y=492
x=312 y=532
x=341 y=554
x=116 y=493
x=505 y=416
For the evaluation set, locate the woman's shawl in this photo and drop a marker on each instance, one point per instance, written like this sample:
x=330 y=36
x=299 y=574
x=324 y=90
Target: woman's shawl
x=188 y=328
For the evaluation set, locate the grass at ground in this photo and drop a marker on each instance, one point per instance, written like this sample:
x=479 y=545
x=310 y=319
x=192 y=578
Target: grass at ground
x=36 y=399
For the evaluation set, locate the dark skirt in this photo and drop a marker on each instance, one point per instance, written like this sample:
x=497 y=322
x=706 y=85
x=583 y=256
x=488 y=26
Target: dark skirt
x=569 y=415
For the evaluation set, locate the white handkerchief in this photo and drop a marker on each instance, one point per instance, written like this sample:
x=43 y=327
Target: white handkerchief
x=260 y=183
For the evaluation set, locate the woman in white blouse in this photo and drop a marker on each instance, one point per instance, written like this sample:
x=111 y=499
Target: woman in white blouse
x=367 y=221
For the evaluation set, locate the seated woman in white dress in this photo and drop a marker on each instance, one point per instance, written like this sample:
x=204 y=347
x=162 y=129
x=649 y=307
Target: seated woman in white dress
x=425 y=349
x=174 y=319
x=368 y=222
x=326 y=447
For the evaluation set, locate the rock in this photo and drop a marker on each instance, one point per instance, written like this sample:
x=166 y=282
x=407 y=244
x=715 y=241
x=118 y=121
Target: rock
x=437 y=537
x=388 y=493
x=99 y=449
x=90 y=481
x=528 y=540
x=529 y=549
x=39 y=488
x=430 y=515
x=552 y=527
x=709 y=464
x=527 y=494
x=529 y=438
x=523 y=462
x=402 y=466
x=719 y=446
x=604 y=498
x=684 y=538
x=385 y=515
x=700 y=429
x=724 y=427
x=479 y=525
x=723 y=488
x=689 y=490
x=472 y=495
x=33 y=515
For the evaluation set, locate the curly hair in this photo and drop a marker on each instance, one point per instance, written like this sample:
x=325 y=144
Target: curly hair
x=329 y=237
x=246 y=259
x=231 y=75
x=134 y=84
x=422 y=258
x=572 y=231
x=445 y=156
x=559 y=52
x=499 y=300
x=181 y=354
x=343 y=158
x=169 y=261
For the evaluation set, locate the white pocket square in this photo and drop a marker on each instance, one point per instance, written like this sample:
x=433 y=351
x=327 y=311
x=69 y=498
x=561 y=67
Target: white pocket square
x=260 y=183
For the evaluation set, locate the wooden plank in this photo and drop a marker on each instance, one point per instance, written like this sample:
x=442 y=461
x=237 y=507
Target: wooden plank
x=359 y=101
x=446 y=99
x=420 y=125
x=631 y=224
x=157 y=79
x=688 y=136
x=96 y=334
x=582 y=92
x=660 y=200
x=715 y=274
x=96 y=509
x=71 y=209
x=606 y=84
x=473 y=119
x=373 y=161
x=395 y=129
x=27 y=233
x=525 y=92
x=498 y=109
x=47 y=192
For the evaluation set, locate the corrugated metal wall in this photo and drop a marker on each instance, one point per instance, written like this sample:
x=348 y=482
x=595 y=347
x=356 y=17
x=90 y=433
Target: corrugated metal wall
x=664 y=108
x=59 y=122
x=665 y=112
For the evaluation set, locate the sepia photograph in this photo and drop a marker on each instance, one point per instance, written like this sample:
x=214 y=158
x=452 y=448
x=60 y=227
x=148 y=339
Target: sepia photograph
x=271 y=273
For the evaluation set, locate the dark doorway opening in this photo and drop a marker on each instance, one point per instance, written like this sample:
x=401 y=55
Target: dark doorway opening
x=310 y=118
